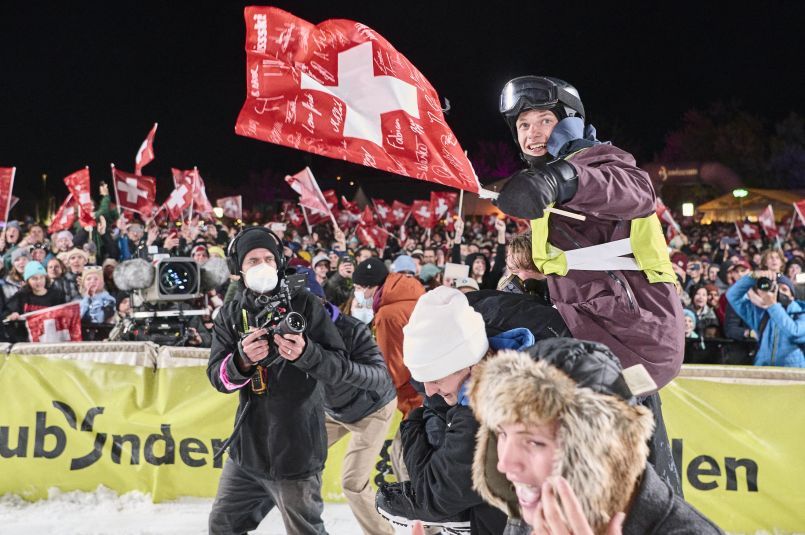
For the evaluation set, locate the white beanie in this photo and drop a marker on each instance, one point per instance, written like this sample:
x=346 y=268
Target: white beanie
x=443 y=335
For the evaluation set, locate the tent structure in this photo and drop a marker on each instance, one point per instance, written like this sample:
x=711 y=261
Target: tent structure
x=728 y=208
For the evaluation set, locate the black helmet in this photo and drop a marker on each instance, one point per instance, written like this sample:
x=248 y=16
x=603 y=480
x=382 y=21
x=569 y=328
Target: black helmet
x=539 y=93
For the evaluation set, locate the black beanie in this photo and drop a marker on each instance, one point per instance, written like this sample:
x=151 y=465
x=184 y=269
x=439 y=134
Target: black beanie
x=255 y=239
x=370 y=272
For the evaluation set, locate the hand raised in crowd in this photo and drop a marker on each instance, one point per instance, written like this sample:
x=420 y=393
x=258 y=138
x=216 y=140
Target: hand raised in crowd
x=459 y=226
x=122 y=223
x=559 y=512
x=339 y=236
x=153 y=234
x=101 y=224
x=290 y=346
x=254 y=348
x=500 y=226
x=172 y=241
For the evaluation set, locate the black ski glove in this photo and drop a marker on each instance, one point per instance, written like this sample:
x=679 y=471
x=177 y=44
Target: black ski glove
x=530 y=191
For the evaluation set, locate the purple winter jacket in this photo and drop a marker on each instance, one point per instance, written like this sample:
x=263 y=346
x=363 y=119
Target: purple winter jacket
x=639 y=321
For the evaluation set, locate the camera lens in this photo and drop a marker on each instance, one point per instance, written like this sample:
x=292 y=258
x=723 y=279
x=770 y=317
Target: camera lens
x=296 y=322
x=763 y=283
x=177 y=278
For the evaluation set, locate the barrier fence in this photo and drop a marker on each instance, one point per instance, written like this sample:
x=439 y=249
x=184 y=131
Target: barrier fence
x=135 y=416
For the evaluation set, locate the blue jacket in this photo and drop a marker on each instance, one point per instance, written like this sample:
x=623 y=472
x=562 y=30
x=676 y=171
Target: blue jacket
x=782 y=338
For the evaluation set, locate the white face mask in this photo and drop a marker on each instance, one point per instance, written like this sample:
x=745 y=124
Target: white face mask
x=261 y=278
x=362 y=314
x=360 y=298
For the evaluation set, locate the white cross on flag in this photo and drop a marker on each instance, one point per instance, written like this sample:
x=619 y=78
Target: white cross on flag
x=232 y=206
x=145 y=154
x=65 y=217
x=383 y=211
x=78 y=184
x=6 y=185
x=767 y=223
x=399 y=213
x=423 y=213
x=61 y=323
x=339 y=89
x=178 y=201
x=442 y=203
x=136 y=193
x=747 y=231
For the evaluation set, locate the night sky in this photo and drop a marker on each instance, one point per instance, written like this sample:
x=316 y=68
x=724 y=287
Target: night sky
x=81 y=83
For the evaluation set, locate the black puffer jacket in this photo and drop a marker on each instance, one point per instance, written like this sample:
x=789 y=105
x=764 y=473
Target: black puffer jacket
x=359 y=386
x=283 y=436
x=503 y=311
x=441 y=476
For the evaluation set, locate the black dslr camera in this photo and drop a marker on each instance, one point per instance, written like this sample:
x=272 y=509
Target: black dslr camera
x=278 y=318
x=765 y=284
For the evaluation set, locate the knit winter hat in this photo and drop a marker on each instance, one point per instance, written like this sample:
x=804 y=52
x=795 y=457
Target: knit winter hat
x=370 y=272
x=403 y=264
x=321 y=257
x=18 y=252
x=443 y=335
x=32 y=269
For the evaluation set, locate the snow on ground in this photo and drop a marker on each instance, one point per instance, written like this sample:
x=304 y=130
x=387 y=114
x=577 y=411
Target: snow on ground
x=104 y=512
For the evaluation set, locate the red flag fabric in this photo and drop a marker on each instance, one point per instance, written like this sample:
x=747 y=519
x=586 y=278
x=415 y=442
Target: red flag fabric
x=232 y=206
x=178 y=201
x=133 y=192
x=145 y=154
x=293 y=214
x=339 y=89
x=78 y=184
x=368 y=217
x=399 y=213
x=383 y=211
x=799 y=209
x=310 y=195
x=442 y=203
x=423 y=213
x=61 y=323
x=65 y=217
x=6 y=186
x=351 y=213
x=767 y=223
x=331 y=198
x=373 y=236
x=192 y=178
x=665 y=215
x=747 y=231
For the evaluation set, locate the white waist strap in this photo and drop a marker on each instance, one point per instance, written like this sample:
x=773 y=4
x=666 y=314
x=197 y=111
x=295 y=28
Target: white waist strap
x=603 y=257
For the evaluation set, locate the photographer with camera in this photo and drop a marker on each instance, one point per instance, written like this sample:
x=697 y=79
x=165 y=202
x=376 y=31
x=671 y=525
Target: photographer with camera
x=765 y=301
x=279 y=443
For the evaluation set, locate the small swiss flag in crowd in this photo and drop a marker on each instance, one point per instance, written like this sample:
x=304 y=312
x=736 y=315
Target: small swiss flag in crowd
x=55 y=324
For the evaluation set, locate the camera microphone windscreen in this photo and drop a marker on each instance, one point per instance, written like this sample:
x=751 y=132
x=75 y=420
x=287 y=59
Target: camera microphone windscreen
x=214 y=273
x=135 y=274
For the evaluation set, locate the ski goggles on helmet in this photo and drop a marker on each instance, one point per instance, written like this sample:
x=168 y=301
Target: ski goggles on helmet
x=528 y=92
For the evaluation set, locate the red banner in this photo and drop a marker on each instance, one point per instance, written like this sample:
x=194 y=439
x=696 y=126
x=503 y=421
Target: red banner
x=6 y=186
x=339 y=89
x=133 y=192
x=767 y=223
x=423 y=213
x=78 y=184
x=232 y=206
x=55 y=324
x=65 y=217
x=145 y=154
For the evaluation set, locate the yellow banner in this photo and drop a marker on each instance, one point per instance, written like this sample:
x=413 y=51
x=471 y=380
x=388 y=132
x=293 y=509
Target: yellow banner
x=77 y=424
x=739 y=445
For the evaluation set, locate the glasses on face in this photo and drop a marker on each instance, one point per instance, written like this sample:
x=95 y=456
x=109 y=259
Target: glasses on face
x=695 y=267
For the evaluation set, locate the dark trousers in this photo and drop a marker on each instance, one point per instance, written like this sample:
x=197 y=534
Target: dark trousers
x=244 y=499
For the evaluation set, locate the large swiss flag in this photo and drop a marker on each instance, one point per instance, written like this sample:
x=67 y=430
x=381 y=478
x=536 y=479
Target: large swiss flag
x=61 y=323
x=339 y=89
x=135 y=192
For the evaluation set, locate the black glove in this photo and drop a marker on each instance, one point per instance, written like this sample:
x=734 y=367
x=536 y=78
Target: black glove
x=530 y=191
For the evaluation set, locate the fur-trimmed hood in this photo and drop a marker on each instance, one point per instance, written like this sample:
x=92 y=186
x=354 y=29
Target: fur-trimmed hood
x=602 y=439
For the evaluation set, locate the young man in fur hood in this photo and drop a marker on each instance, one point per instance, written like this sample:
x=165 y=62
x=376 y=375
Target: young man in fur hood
x=443 y=340
x=562 y=446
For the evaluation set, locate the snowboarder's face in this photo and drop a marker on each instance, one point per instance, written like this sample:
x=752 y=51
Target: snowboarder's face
x=534 y=127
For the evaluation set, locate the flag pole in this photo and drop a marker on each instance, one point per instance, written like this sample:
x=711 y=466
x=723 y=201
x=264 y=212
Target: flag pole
x=460 y=199
x=307 y=224
x=117 y=195
x=192 y=194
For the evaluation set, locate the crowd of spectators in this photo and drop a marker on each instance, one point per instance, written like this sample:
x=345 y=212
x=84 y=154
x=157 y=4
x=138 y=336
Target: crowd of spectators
x=40 y=270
